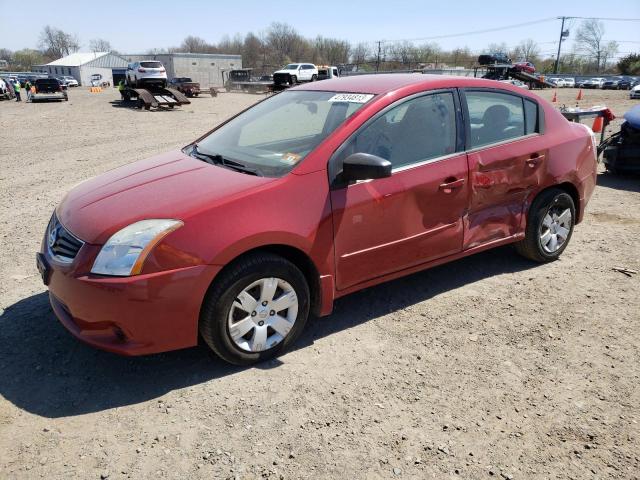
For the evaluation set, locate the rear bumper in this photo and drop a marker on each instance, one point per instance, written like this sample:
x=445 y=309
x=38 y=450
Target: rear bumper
x=48 y=96
x=132 y=315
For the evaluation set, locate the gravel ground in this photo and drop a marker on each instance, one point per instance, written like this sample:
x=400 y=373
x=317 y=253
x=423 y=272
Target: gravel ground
x=488 y=367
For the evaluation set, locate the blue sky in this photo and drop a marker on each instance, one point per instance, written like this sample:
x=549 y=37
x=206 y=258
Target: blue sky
x=135 y=27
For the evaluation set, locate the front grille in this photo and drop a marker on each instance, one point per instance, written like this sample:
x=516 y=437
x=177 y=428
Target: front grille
x=61 y=242
x=281 y=78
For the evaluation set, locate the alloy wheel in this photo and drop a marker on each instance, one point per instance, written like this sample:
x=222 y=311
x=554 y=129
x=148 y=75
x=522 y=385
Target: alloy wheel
x=555 y=229
x=262 y=315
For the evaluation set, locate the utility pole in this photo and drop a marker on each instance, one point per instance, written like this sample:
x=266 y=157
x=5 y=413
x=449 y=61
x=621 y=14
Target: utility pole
x=563 y=34
x=378 y=60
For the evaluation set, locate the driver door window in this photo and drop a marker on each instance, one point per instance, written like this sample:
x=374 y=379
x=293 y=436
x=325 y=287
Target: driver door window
x=415 y=131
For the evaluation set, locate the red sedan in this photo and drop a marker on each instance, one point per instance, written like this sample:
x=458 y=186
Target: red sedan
x=526 y=67
x=311 y=194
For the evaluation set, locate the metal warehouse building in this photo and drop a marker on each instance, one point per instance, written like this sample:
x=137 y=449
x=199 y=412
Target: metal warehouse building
x=82 y=65
x=204 y=68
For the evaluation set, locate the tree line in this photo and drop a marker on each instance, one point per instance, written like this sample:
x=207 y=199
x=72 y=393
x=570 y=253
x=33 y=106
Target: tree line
x=281 y=43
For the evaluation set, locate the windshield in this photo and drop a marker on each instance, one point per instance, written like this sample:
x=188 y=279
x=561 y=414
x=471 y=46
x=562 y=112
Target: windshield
x=275 y=135
x=291 y=66
x=151 y=64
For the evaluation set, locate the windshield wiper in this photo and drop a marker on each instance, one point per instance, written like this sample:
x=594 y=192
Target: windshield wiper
x=217 y=159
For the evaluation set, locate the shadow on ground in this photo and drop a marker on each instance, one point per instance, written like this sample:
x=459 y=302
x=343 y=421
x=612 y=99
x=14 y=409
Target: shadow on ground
x=133 y=105
x=45 y=371
x=628 y=182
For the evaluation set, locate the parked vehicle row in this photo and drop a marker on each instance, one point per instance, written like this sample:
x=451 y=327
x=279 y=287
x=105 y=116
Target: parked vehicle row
x=516 y=83
x=562 y=82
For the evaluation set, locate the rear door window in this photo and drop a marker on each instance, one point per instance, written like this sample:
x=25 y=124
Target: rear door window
x=494 y=117
x=531 y=117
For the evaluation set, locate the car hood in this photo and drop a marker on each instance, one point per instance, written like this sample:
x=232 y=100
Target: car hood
x=171 y=185
x=285 y=71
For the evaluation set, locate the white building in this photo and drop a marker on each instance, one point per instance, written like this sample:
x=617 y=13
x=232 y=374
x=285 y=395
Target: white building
x=82 y=65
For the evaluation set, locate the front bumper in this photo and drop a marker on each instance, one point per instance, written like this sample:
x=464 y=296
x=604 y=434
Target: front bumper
x=136 y=315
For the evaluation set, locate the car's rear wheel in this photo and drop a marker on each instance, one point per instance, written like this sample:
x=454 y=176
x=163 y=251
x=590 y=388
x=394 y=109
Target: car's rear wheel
x=549 y=226
x=314 y=78
x=255 y=310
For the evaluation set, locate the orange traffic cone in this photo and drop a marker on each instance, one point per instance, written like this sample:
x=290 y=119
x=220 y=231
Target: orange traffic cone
x=579 y=97
x=555 y=97
x=597 y=125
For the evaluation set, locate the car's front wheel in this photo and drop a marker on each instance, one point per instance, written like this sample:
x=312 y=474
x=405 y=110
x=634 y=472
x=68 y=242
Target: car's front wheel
x=256 y=309
x=549 y=226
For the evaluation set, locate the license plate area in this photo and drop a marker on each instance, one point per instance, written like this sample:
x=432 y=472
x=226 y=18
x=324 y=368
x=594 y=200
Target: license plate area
x=43 y=268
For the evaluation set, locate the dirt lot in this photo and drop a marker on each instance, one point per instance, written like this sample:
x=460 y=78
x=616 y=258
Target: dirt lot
x=489 y=367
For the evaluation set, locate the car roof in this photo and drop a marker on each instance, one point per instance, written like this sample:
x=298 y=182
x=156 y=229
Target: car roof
x=390 y=82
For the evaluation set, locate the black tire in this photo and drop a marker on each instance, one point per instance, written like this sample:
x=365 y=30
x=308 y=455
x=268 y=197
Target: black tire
x=294 y=79
x=314 y=78
x=530 y=247
x=224 y=291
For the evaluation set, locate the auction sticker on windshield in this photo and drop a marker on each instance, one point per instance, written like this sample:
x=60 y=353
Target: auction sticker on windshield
x=351 y=97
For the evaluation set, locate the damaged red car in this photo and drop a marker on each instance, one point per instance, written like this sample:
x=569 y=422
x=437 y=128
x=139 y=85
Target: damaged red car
x=309 y=195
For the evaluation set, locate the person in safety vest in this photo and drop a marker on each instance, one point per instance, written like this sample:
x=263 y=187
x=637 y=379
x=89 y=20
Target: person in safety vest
x=16 y=89
x=121 y=88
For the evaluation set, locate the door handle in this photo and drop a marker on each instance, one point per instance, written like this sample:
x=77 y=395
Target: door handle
x=451 y=184
x=535 y=159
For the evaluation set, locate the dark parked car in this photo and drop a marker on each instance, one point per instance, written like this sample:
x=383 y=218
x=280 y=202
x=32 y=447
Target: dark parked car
x=493 y=58
x=625 y=84
x=611 y=84
x=49 y=89
x=186 y=86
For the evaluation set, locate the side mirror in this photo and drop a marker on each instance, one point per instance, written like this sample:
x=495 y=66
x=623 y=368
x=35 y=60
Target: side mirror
x=364 y=166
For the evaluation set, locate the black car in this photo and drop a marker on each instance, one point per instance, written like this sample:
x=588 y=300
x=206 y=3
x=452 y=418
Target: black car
x=494 y=58
x=625 y=84
x=48 y=89
x=611 y=84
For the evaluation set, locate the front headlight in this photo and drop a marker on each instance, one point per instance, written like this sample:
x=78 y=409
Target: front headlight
x=125 y=252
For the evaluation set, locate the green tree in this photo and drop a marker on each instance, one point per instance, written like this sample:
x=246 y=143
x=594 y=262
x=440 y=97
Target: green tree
x=630 y=65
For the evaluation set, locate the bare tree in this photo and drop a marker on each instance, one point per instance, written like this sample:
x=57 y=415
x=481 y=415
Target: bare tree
x=6 y=54
x=193 y=44
x=501 y=47
x=99 y=45
x=251 y=51
x=360 y=53
x=230 y=45
x=331 y=51
x=527 y=50
x=590 y=40
x=285 y=43
x=57 y=43
x=609 y=52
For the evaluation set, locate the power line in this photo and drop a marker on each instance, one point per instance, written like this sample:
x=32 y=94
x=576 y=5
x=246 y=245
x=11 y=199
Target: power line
x=475 y=32
x=507 y=27
x=607 y=19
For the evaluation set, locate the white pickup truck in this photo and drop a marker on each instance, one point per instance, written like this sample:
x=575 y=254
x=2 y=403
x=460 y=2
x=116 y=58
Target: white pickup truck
x=296 y=72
